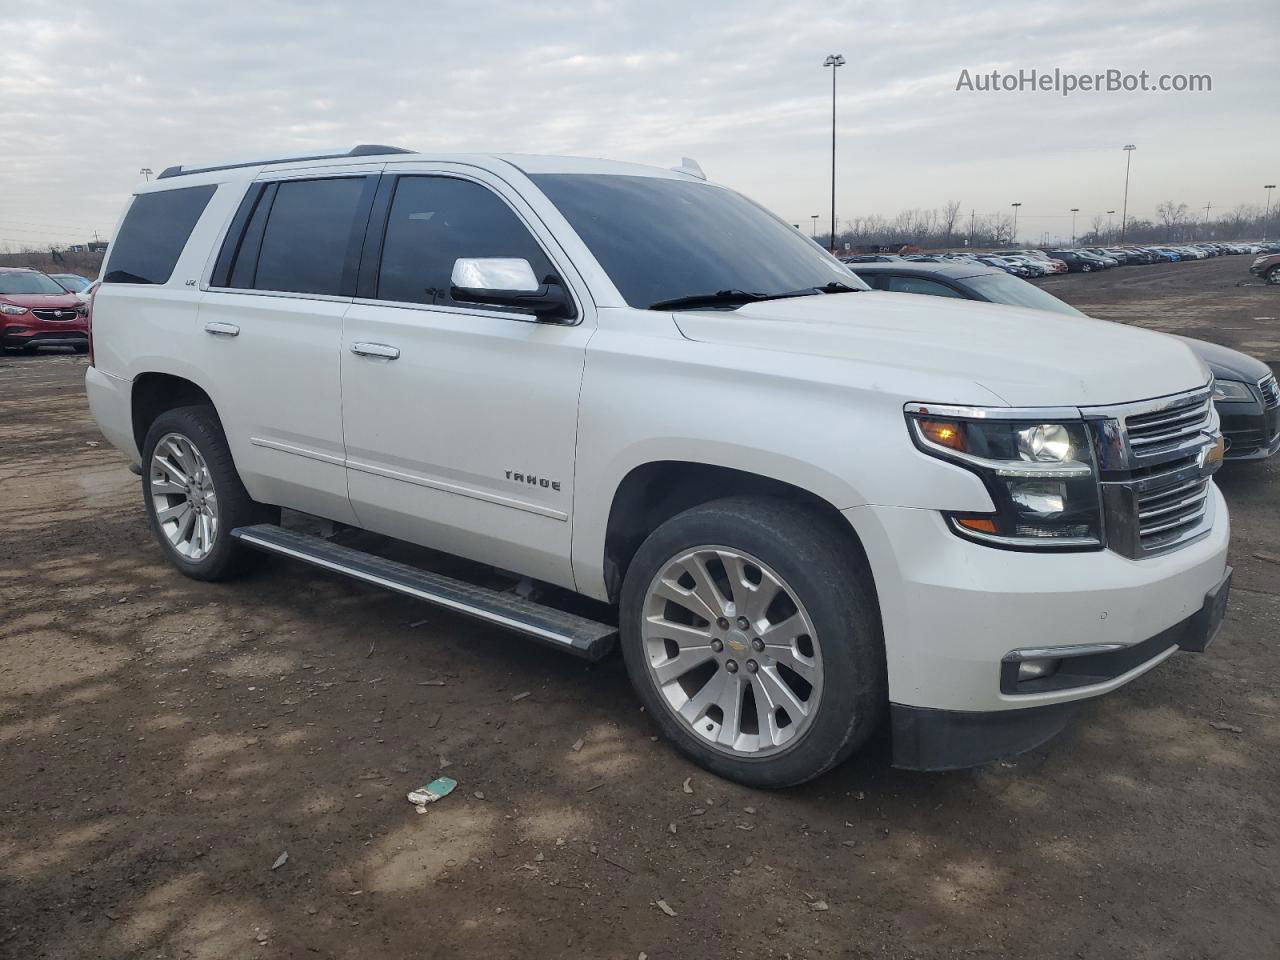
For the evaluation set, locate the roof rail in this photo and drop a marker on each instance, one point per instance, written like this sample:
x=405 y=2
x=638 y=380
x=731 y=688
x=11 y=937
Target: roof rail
x=361 y=150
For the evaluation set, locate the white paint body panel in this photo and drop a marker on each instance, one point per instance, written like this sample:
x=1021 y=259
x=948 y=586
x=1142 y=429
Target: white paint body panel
x=807 y=391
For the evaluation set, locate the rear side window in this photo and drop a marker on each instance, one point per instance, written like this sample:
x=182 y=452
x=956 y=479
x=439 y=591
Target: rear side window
x=307 y=237
x=437 y=220
x=154 y=231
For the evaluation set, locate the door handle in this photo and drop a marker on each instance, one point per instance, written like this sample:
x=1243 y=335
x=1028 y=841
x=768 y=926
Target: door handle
x=220 y=329
x=380 y=350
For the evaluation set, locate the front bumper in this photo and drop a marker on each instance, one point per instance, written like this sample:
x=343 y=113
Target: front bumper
x=1252 y=431
x=952 y=610
x=925 y=739
x=17 y=336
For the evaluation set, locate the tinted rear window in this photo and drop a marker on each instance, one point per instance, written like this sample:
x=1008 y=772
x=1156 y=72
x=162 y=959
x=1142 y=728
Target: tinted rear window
x=153 y=234
x=308 y=233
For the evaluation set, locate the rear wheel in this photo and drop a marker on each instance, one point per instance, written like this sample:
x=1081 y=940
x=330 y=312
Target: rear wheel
x=1273 y=275
x=194 y=496
x=751 y=635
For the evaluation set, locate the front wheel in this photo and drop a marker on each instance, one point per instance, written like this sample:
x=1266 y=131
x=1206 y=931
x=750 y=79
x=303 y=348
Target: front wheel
x=194 y=497
x=1086 y=267
x=751 y=634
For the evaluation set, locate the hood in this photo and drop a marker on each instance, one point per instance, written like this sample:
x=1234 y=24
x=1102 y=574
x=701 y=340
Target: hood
x=1026 y=357
x=1227 y=364
x=50 y=301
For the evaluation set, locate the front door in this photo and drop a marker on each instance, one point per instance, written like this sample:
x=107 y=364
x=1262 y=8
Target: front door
x=460 y=420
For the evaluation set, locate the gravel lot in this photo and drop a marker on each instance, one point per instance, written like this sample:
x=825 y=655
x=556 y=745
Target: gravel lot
x=163 y=742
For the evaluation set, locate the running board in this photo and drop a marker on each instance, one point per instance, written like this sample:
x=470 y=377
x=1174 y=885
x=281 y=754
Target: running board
x=564 y=631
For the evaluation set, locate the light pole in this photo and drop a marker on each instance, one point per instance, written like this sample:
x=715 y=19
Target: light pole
x=1014 y=238
x=834 y=61
x=1266 y=217
x=814 y=217
x=1110 y=234
x=1207 y=206
x=1124 y=210
x=1074 y=211
x=146 y=172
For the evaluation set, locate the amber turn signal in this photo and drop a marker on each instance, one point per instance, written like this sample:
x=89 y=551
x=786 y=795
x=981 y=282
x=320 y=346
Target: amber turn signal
x=945 y=433
x=980 y=524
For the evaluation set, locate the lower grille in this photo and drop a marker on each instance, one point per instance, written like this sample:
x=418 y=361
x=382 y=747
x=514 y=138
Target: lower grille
x=1167 y=513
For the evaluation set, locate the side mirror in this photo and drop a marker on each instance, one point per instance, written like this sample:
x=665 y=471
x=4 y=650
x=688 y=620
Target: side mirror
x=509 y=282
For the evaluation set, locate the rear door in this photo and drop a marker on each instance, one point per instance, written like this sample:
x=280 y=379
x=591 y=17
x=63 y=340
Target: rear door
x=271 y=326
x=461 y=420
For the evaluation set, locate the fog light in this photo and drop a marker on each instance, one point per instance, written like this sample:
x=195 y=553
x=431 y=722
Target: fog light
x=1037 y=669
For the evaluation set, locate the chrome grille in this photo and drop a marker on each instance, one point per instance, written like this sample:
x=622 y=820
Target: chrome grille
x=1161 y=431
x=1270 y=391
x=1168 y=510
x=1155 y=486
x=63 y=314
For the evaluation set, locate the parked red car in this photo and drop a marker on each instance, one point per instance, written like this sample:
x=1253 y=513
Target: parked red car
x=37 y=311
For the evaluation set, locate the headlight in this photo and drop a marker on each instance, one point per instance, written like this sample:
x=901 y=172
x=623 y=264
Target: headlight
x=12 y=309
x=1231 y=390
x=1040 y=475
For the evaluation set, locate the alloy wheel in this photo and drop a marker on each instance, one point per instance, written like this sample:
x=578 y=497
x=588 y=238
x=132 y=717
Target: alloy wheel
x=183 y=497
x=732 y=651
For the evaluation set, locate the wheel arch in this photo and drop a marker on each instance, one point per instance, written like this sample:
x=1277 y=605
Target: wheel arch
x=153 y=393
x=653 y=492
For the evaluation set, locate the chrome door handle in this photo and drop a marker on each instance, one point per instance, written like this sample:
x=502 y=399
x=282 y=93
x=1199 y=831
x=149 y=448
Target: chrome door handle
x=220 y=329
x=381 y=350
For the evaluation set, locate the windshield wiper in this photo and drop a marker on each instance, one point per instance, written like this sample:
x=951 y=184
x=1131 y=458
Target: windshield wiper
x=727 y=298
x=731 y=298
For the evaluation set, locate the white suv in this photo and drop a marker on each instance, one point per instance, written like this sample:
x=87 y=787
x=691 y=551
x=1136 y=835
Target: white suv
x=807 y=508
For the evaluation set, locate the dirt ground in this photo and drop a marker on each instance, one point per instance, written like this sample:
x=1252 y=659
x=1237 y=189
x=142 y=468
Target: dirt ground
x=164 y=742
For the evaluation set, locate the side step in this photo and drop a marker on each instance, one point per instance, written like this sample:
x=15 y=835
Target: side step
x=564 y=631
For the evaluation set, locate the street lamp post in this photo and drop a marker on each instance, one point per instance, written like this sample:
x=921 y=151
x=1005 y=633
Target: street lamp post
x=1124 y=210
x=834 y=61
x=814 y=217
x=1266 y=217
x=1074 y=211
x=1110 y=233
x=1014 y=238
x=146 y=172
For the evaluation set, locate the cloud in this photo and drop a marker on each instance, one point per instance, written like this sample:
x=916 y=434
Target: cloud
x=93 y=92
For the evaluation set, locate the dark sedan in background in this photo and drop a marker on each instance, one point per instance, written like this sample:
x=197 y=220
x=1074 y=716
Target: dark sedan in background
x=1245 y=391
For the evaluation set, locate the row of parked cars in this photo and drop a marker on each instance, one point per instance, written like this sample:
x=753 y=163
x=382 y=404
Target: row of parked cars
x=1245 y=392
x=1029 y=264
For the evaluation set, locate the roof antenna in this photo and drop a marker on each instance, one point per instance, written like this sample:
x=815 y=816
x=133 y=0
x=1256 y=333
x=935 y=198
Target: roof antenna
x=690 y=166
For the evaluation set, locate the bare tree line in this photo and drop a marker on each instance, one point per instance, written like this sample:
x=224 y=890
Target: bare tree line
x=951 y=226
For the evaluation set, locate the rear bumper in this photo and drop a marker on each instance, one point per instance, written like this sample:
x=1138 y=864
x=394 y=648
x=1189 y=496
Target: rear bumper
x=928 y=739
x=110 y=402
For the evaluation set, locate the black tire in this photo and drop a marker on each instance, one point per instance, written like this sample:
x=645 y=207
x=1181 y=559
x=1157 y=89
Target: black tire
x=1273 y=275
x=1086 y=268
x=830 y=578
x=228 y=557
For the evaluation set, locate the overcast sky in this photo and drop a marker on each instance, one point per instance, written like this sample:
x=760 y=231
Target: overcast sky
x=92 y=92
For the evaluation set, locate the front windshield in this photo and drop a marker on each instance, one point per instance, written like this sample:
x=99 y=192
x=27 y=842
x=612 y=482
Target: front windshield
x=1003 y=288
x=71 y=282
x=17 y=284
x=661 y=239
